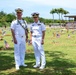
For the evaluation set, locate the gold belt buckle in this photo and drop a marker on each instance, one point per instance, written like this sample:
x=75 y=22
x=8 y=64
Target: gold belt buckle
x=21 y=36
x=34 y=35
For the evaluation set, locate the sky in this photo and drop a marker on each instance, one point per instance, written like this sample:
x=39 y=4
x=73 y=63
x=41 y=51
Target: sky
x=41 y=6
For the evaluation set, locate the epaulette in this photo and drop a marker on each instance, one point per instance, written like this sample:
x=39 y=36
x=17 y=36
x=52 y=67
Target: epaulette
x=39 y=24
x=32 y=24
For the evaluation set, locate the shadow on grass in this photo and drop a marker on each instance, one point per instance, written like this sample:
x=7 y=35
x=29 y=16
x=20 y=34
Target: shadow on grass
x=56 y=64
x=60 y=65
x=6 y=60
x=2 y=48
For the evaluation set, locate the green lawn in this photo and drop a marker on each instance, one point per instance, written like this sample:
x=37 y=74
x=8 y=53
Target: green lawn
x=60 y=55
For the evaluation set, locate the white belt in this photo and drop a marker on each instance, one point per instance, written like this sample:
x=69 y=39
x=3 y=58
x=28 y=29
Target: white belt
x=36 y=35
x=23 y=36
x=20 y=36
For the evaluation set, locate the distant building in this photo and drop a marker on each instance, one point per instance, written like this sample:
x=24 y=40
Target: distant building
x=71 y=16
x=71 y=24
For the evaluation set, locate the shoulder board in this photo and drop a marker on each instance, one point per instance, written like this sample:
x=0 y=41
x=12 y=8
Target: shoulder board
x=32 y=24
x=39 y=24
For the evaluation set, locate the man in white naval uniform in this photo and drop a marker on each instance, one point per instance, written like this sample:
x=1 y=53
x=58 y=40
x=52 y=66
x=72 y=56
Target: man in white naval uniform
x=37 y=39
x=20 y=36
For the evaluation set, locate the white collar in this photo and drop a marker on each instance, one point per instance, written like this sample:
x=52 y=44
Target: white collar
x=37 y=22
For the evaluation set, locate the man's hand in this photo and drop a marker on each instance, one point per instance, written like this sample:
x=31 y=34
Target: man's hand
x=15 y=41
x=26 y=40
x=30 y=41
x=42 y=42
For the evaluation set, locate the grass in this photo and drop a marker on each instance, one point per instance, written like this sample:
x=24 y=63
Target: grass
x=60 y=55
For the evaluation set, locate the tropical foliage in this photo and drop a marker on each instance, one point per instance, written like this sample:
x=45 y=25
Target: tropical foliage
x=6 y=19
x=60 y=12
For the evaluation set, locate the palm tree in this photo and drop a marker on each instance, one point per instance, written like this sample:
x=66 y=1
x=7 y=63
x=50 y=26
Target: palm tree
x=52 y=12
x=58 y=12
x=65 y=12
x=62 y=12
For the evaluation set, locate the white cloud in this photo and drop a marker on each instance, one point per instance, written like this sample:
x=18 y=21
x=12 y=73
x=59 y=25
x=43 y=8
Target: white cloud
x=61 y=3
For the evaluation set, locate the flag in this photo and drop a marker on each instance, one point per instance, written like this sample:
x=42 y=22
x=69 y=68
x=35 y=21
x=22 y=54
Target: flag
x=57 y=35
x=6 y=44
x=4 y=32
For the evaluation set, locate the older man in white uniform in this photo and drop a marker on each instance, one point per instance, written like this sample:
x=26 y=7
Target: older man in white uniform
x=37 y=39
x=19 y=33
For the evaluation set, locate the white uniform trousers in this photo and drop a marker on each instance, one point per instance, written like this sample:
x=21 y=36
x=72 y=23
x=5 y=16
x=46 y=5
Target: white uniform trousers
x=38 y=50
x=19 y=51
